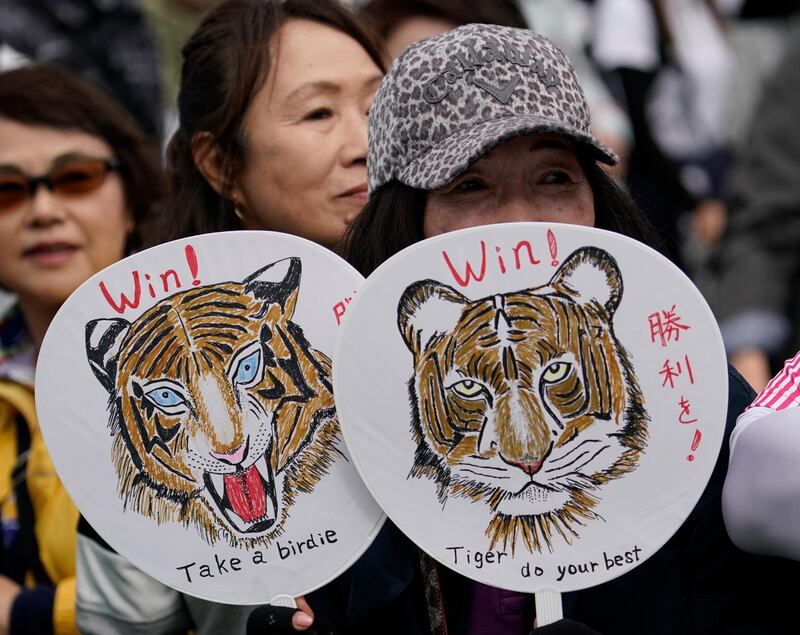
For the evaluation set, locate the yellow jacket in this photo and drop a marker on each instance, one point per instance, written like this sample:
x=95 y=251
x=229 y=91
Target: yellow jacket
x=56 y=517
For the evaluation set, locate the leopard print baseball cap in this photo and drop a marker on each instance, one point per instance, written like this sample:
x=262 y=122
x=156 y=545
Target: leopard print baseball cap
x=448 y=100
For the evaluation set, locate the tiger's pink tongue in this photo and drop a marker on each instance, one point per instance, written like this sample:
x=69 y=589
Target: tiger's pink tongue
x=246 y=494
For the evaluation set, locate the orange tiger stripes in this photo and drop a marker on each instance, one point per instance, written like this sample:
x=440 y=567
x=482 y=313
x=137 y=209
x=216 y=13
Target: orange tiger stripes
x=221 y=411
x=525 y=401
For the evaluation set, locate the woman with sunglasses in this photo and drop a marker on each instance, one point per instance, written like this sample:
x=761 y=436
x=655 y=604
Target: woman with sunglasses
x=78 y=181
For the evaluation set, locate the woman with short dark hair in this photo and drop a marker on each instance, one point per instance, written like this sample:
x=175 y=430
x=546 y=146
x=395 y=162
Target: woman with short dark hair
x=50 y=96
x=78 y=185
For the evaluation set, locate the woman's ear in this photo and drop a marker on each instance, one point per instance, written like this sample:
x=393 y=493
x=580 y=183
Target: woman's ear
x=130 y=222
x=207 y=156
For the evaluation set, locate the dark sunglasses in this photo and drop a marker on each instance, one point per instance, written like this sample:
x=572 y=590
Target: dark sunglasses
x=71 y=178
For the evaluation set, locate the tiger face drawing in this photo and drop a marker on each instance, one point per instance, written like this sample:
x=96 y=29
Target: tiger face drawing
x=220 y=411
x=524 y=401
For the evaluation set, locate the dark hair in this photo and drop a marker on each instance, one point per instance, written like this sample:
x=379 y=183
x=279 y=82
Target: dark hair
x=225 y=62
x=385 y=15
x=49 y=96
x=393 y=219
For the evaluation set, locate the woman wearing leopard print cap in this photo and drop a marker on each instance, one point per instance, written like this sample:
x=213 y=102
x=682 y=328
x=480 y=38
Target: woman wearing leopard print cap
x=487 y=124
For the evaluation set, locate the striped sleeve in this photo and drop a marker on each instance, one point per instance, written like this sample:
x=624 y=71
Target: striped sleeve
x=783 y=390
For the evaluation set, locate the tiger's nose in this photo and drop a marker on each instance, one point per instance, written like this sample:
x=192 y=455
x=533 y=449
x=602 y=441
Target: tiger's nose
x=529 y=467
x=528 y=464
x=235 y=457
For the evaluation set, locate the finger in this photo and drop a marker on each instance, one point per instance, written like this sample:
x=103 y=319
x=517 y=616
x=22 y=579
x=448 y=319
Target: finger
x=302 y=621
x=302 y=605
x=304 y=616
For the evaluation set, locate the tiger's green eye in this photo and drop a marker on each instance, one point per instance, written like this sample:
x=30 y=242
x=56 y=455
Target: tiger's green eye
x=468 y=388
x=555 y=372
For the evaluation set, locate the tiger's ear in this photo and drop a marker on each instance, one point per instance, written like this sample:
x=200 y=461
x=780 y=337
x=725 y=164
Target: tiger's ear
x=277 y=283
x=103 y=343
x=590 y=274
x=426 y=309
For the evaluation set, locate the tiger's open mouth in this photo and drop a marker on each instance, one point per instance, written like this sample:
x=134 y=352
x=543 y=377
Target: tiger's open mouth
x=246 y=497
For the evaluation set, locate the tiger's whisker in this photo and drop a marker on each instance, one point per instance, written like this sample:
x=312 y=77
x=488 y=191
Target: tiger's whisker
x=587 y=461
x=577 y=447
x=561 y=467
x=492 y=476
x=487 y=467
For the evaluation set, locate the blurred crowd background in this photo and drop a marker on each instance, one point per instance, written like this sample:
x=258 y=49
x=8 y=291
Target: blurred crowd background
x=691 y=94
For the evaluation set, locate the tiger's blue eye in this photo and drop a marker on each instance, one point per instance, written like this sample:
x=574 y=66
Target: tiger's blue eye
x=165 y=397
x=247 y=369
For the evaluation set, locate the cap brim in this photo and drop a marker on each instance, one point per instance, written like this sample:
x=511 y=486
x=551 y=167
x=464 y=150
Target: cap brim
x=448 y=158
